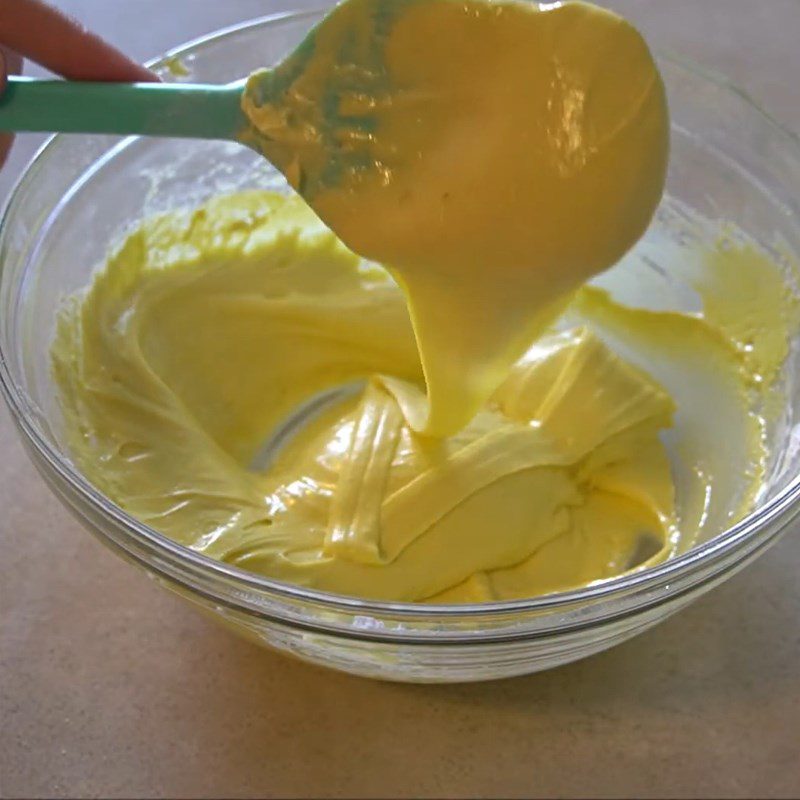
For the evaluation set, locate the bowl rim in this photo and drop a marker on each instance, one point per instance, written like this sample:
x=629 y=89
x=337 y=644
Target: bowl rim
x=24 y=415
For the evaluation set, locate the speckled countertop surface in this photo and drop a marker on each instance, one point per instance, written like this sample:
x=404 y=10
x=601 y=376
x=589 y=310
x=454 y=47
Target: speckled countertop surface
x=110 y=687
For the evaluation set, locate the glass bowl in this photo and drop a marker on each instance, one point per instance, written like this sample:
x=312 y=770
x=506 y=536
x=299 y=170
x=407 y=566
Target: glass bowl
x=729 y=161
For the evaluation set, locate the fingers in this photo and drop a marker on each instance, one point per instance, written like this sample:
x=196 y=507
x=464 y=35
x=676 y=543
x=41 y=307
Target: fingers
x=57 y=42
x=10 y=64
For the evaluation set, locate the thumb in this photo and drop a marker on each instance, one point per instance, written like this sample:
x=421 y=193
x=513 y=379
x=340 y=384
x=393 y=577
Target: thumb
x=49 y=37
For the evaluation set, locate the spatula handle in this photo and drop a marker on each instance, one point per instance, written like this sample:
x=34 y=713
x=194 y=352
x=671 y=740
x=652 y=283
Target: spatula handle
x=195 y=111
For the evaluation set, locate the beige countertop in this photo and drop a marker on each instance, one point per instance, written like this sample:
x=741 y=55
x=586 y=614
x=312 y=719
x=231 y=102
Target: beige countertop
x=110 y=687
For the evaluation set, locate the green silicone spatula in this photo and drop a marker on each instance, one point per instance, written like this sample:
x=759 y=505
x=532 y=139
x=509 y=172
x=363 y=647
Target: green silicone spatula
x=349 y=37
x=197 y=111
x=210 y=111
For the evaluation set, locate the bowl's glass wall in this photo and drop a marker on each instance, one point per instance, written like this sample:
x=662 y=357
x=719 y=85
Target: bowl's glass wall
x=83 y=193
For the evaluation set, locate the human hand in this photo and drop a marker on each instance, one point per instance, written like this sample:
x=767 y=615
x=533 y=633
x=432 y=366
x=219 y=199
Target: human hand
x=35 y=30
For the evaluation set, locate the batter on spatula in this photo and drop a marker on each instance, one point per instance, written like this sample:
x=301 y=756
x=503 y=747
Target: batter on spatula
x=492 y=155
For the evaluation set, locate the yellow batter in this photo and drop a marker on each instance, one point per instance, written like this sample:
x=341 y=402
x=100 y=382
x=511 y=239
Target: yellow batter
x=492 y=155
x=207 y=329
x=460 y=463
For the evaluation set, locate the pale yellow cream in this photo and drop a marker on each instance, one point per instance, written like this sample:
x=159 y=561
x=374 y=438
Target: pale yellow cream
x=207 y=329
x=492 y=155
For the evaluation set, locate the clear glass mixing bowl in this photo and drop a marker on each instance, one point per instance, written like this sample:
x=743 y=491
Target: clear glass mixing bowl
x=729 y=161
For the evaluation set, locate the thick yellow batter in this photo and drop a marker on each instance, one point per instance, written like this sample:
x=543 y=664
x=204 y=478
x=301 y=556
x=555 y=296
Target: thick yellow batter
x=536 y=160
x=208 y=329
x=492 y=155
